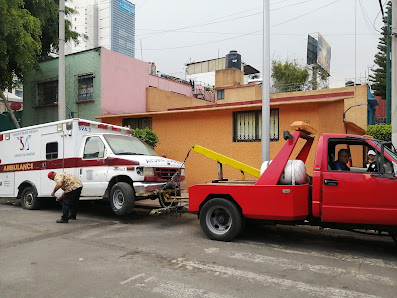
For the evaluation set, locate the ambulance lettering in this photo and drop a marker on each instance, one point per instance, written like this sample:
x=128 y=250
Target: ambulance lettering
x=83 y=128
x=18 y=167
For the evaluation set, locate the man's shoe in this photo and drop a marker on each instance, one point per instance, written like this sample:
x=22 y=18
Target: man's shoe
x=61 y=221
x=72 y=217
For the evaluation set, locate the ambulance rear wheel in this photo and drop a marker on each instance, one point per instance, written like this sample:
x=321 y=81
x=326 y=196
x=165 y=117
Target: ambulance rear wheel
x=220 y=219
x=122 y=198
x=29 y=199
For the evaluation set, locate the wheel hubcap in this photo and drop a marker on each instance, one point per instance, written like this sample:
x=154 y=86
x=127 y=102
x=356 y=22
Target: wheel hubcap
x=118 y=199
x=29 y=199
x=218 y=220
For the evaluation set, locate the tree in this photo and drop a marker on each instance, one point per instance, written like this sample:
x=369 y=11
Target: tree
x=28 y=30
x=146 y=135
x=378 y=78
x=288 y=76
x=19 y=44
x=47 y=12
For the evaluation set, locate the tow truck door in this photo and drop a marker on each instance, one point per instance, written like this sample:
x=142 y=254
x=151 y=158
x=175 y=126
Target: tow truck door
x=357 y=196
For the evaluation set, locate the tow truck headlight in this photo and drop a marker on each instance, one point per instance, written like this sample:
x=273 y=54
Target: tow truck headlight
x=183 y=172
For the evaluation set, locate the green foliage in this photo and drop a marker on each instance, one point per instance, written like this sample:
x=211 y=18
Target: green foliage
x=378 y=78
x=380 y=132
x=146 y=135
x=47 y=12
x=19 y=41
x=288 y=76
x=28 y=31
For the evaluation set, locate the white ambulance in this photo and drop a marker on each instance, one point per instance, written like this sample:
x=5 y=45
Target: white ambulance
x=108 y=160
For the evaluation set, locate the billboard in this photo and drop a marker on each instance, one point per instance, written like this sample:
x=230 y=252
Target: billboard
x=311 y=50
x=323 y=53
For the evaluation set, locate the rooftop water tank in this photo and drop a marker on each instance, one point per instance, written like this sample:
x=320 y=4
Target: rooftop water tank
x=233 y=60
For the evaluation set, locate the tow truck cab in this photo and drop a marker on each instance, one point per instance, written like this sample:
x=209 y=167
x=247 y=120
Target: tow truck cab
x=337 y=199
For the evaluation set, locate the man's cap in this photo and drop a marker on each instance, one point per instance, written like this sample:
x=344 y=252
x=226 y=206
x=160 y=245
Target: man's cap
x=50 y=174
x=371 y=152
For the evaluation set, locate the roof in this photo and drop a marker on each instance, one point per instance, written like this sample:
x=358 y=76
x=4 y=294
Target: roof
x=233 y=105
x=248 y=69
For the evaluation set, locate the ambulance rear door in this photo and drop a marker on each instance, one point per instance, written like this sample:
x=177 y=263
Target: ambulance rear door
x=51 y=159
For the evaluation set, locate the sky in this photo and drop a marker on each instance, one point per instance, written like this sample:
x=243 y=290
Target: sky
x=175 y=32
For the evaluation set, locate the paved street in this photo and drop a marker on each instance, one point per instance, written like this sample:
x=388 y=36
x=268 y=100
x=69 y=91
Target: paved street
x=141 y=255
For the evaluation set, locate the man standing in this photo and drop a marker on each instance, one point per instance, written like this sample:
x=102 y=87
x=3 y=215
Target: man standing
x=71 y=187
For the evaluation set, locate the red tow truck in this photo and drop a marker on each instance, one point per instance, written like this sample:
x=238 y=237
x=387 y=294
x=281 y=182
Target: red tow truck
x=285 y=194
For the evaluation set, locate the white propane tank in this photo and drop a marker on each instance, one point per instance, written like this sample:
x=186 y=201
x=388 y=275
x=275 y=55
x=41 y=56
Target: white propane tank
x=294 y=172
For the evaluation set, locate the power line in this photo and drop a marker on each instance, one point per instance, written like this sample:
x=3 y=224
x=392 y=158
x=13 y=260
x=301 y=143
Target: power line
x=366 y=18
x=246 y=34
x=306 y=13
x=207 y=23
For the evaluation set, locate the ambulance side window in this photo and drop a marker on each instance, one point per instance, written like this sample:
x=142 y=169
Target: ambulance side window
x=51 y=150
x=94 y=148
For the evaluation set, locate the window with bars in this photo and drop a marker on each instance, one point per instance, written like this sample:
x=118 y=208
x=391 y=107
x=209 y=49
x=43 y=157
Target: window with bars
x=85 y=87
x=47 y=93
x=140 y=123
x=247 y=126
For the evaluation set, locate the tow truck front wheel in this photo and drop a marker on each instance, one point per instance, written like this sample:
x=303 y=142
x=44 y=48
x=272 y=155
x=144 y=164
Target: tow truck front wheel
x=220 y=219
x=122 y=198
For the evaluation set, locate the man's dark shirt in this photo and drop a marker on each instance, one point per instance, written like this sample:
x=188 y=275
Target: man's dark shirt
x=372 y=166
x=339 y=166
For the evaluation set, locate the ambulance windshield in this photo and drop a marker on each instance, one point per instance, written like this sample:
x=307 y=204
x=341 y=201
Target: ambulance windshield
x=126 y=145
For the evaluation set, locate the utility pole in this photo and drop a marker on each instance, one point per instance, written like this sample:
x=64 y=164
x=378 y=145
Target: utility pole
x=388 y=70
x=61 y=63
x=266 y=83
x=394 y=74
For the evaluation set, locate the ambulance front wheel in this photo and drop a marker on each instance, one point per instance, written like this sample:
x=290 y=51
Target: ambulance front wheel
x=29 y=199
x=122 y=198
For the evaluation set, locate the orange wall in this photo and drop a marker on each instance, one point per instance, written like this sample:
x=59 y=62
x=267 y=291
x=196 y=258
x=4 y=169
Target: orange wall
x=178 y=132
x=229 y=77
x=160 y=100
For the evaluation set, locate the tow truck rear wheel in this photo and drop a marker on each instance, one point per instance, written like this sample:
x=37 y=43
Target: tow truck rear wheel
x=122 y=198
x=29 y=199
x=220 y=219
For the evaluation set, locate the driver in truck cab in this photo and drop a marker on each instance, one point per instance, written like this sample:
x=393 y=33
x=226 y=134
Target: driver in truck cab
x=341 y=163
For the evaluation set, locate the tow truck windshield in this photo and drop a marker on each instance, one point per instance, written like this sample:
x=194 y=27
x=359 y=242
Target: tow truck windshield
x=126 y=145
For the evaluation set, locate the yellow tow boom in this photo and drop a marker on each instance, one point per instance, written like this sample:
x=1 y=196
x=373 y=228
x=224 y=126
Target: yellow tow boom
x=222 y=159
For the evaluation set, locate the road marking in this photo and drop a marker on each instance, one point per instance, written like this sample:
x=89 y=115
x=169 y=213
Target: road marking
x=293 y=265
x=180 y=290
x=132 y=278
x=266 y=280
x=354 y=259
x=335 y=256
x=149 y=279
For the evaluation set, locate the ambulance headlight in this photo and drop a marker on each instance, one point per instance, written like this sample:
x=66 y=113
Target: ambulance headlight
x=148 y=171
x=145 y=171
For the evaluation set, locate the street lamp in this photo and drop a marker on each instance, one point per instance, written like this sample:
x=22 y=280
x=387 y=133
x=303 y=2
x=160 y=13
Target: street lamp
x=357 y=105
